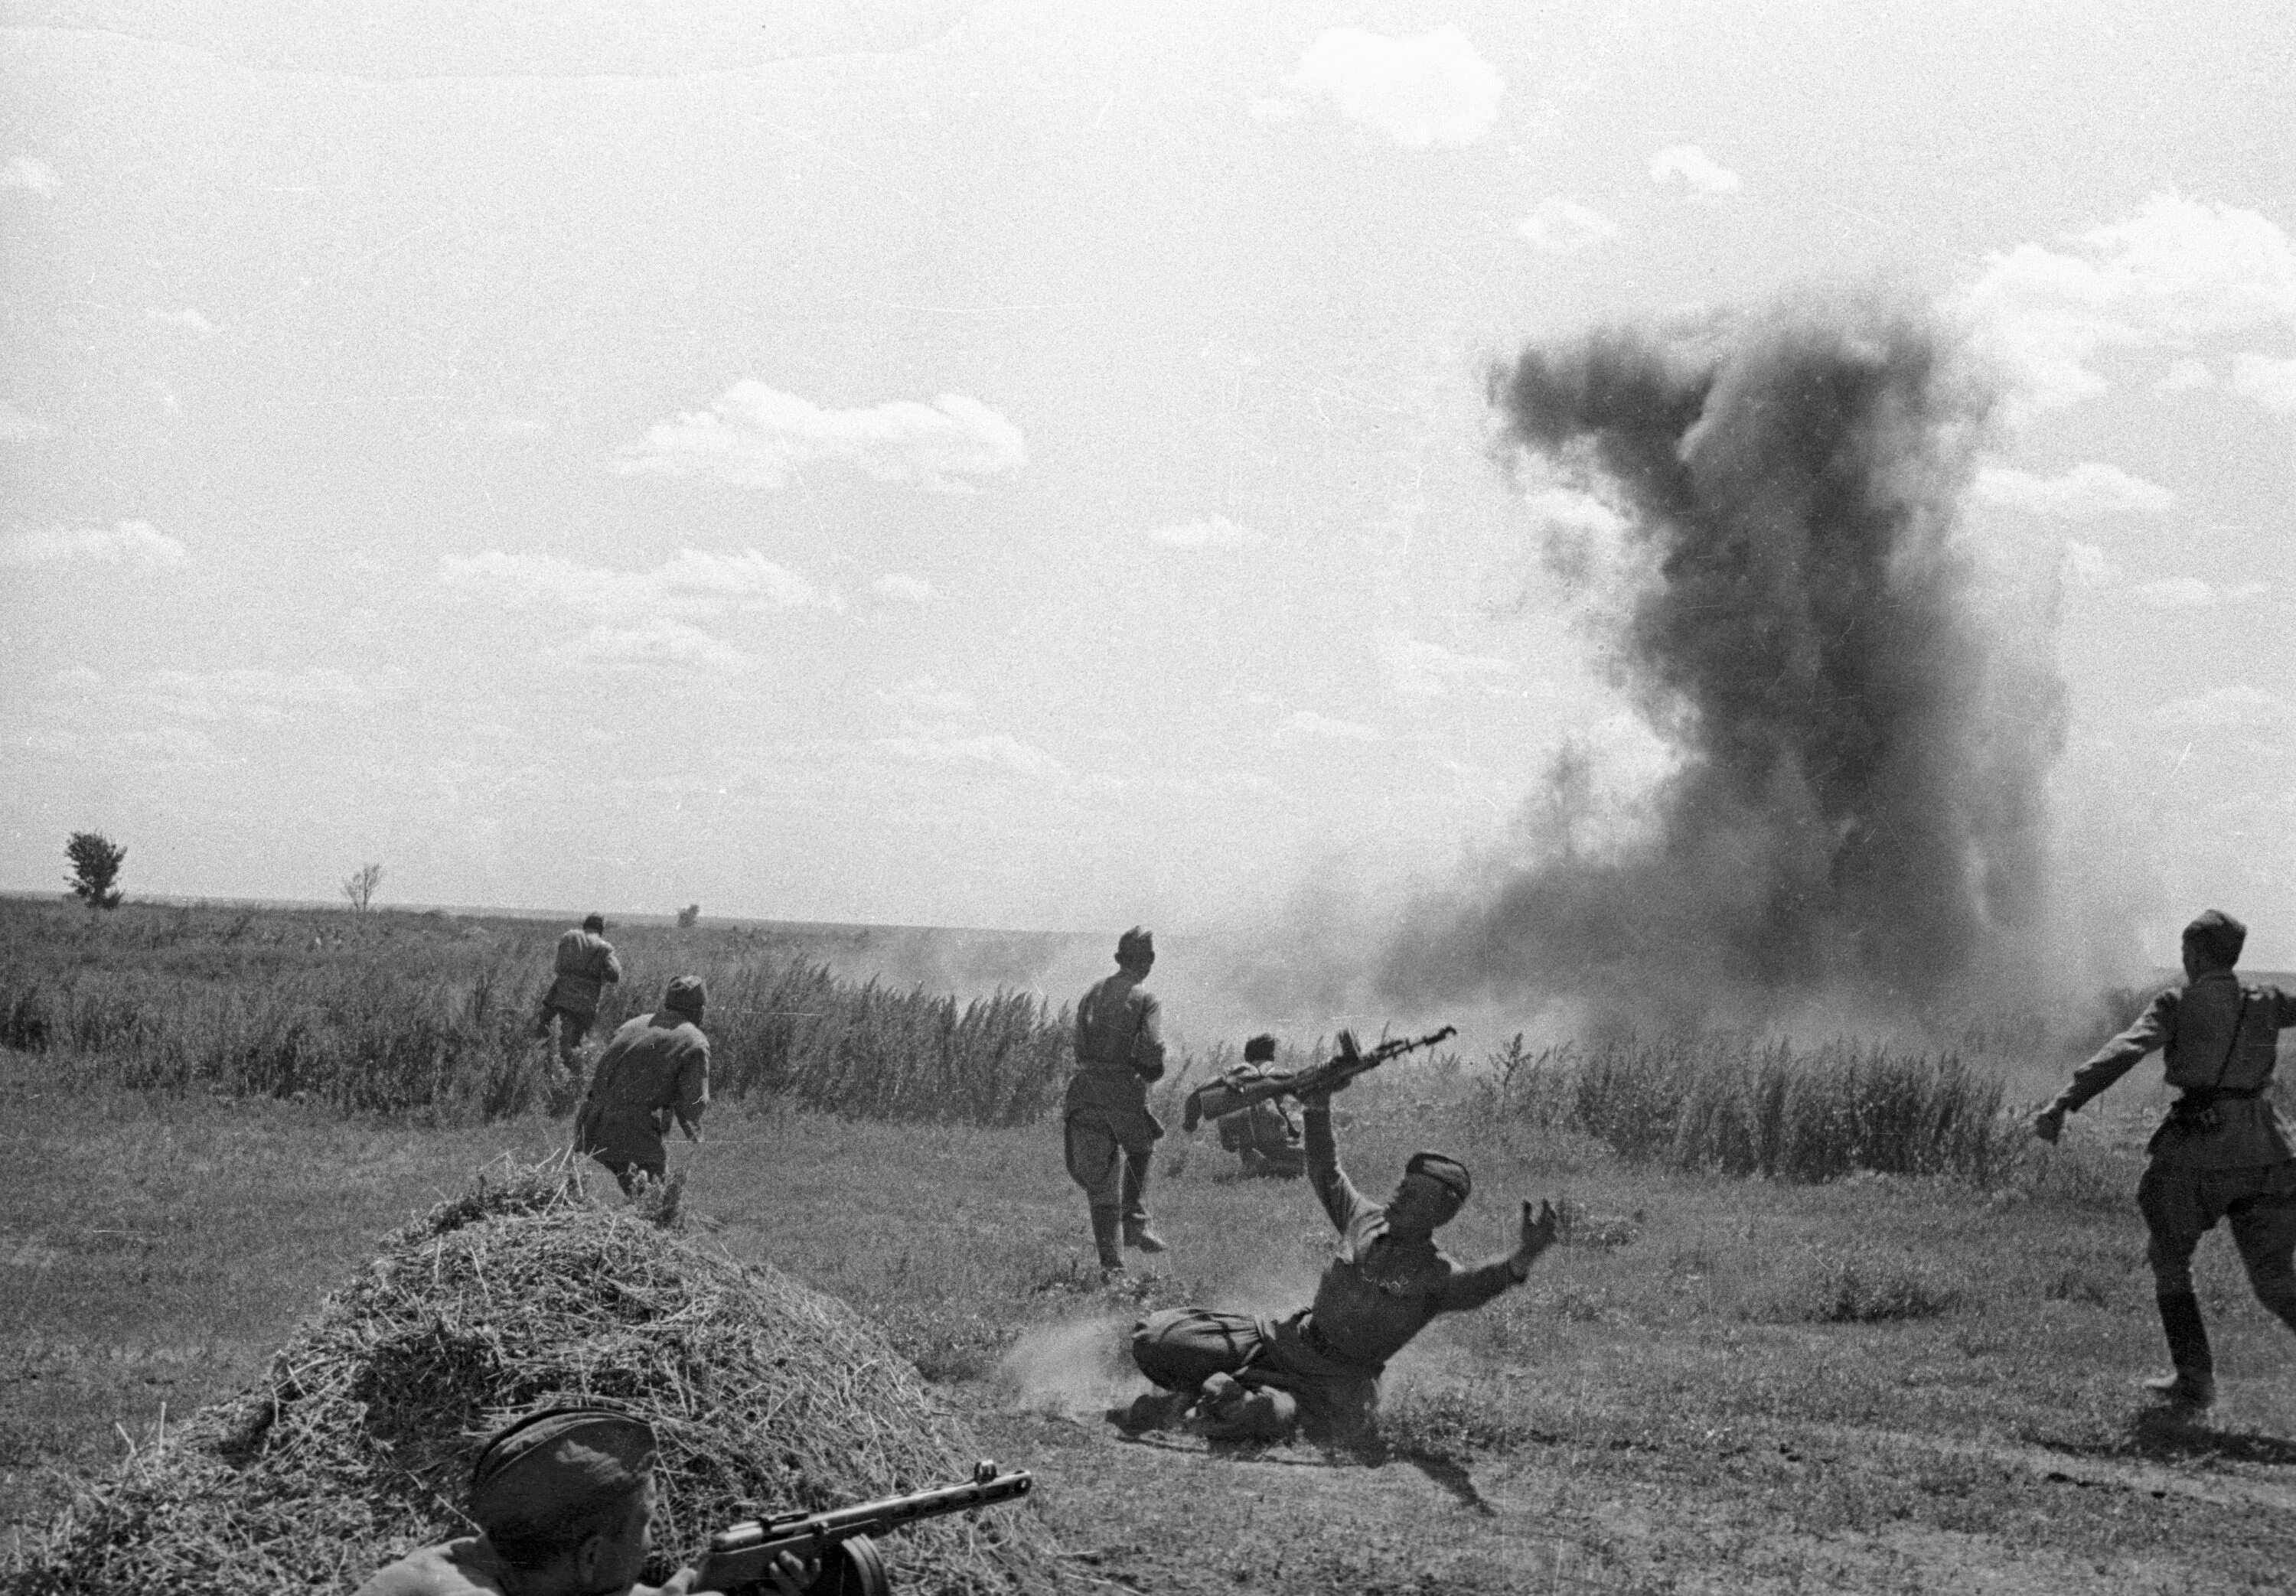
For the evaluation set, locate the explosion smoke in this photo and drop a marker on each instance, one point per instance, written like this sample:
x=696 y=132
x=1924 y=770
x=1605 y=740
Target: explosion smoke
x=1857 y=806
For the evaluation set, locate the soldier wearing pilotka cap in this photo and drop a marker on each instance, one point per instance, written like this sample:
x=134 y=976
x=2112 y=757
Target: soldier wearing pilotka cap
x=2222 y=1153
x=1253 y=1379
x=563 y=1500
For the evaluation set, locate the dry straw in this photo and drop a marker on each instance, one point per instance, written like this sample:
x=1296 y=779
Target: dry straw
x=524 y=1292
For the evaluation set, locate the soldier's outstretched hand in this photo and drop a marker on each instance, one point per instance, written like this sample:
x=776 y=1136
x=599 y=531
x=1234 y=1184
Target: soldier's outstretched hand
x=2049 y=1122
x=1539 y=1227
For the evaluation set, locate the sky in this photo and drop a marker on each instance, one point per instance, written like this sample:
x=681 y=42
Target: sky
x=1030 y=466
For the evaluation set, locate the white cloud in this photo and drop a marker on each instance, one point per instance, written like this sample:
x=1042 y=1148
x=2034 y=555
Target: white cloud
x=695 y=585
x=1209 y=532
x=2266 y=378
x=1705 y=178
x=188 y=319
x=2085 y=565
x=2173 y=275
x=2183 y=376
x=641 y=618
x=1563 y=227
x=758 y=436
x=2083 y=493
x=1429 y=90
x=16 y=427
x=126 y=542
x=1309 y=723
x=242 y=694
x=995 y=754
x=30 y=173
x=902 y=589
x=658 y=639
x=1422 y=670
x=2190 y=592
x=927 y=700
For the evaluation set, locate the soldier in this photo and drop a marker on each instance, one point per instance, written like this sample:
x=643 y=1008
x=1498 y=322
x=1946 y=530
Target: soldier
x=656 y=1068
x=585 y=966
x=2220 y=1153
x=1108 y=1132
x=563 y=1500
x=1319 y=1368
x=1265 y=1137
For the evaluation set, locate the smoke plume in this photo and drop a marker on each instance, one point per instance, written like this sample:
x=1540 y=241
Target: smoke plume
x=1855 y=804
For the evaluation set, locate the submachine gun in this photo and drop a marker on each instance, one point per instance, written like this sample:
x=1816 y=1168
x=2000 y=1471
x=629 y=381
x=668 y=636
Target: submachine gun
x=1243 y=1086
x=740 y=1557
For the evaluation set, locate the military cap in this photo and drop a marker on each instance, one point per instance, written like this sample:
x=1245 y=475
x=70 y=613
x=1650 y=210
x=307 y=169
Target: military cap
x=2218 y=935
x=1135 y=945
x=1444 y=1171
x=530 y=1469
x=685 y=995
x=1259 y=1050
x=594 y=922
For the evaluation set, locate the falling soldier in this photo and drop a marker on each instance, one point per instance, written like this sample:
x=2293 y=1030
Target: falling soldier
x=655 y=1069
x=563 y=1500
x=1241 y=1377
x=1108 y=1133
x=2221 y=1154
x=583 y=968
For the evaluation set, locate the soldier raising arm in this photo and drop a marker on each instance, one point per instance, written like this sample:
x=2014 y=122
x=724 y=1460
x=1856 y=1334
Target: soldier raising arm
x=2221 y=1153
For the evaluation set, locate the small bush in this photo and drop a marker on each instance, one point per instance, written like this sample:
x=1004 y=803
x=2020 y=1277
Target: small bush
x=1866 y=1286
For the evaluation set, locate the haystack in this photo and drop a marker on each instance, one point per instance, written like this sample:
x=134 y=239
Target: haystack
x=356 y=1444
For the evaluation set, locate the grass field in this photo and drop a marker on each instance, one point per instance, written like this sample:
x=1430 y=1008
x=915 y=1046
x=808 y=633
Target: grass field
x=1720 y=1384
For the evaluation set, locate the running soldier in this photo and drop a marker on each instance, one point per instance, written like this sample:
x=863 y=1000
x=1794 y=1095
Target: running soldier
x=655 y=1069
x=564 y=1502
x=2221 y=1154
x=1108 y=1133
x=584 y=967
x=1248 y=1378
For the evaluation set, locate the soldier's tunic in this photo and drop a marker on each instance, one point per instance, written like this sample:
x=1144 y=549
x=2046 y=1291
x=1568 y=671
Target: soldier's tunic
x=1378 y=1292
x=467 y=1566
x=656 y=1067
x=583 y=968
x=1109 y=1135
x=2222 y=1152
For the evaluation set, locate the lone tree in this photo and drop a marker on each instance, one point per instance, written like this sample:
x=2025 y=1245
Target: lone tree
x=360 y=885
x=96 y=862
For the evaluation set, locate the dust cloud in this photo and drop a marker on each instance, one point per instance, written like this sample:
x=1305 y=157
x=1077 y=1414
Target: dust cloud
x=1759 y=515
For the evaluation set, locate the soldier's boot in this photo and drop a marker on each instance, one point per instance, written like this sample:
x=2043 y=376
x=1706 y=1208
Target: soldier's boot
x=2194 y=1384
x=1105 y=1224
x=1136 y=1232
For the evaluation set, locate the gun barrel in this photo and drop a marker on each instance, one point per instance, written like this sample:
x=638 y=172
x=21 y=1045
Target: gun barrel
x=756 y=1540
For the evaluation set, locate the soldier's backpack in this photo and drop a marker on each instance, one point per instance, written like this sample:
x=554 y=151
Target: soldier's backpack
x=1222 y=1096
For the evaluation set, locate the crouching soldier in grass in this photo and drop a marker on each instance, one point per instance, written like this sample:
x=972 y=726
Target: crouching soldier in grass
x=1265 y=1136
x=1108 y=1136
x=655 y=1069
x=1248 y=1379
x=584 y=967
x=2221 y=1153
x=563 y=1500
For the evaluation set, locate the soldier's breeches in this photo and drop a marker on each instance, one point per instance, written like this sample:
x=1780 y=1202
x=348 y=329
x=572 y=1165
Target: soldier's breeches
x=1180 y=1348
x=2181 y=1205
x=572 y=1030
x=1113 y=1173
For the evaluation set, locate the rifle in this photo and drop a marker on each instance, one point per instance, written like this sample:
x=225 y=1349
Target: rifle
x=740 y=1558
x=1230 y=1095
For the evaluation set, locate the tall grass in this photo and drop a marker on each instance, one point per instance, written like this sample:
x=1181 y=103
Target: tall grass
x=397 y=1012
x=1736 y=1106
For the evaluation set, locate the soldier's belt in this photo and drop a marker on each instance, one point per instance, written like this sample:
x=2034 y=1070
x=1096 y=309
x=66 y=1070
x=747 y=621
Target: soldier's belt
x=1320 y=1345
